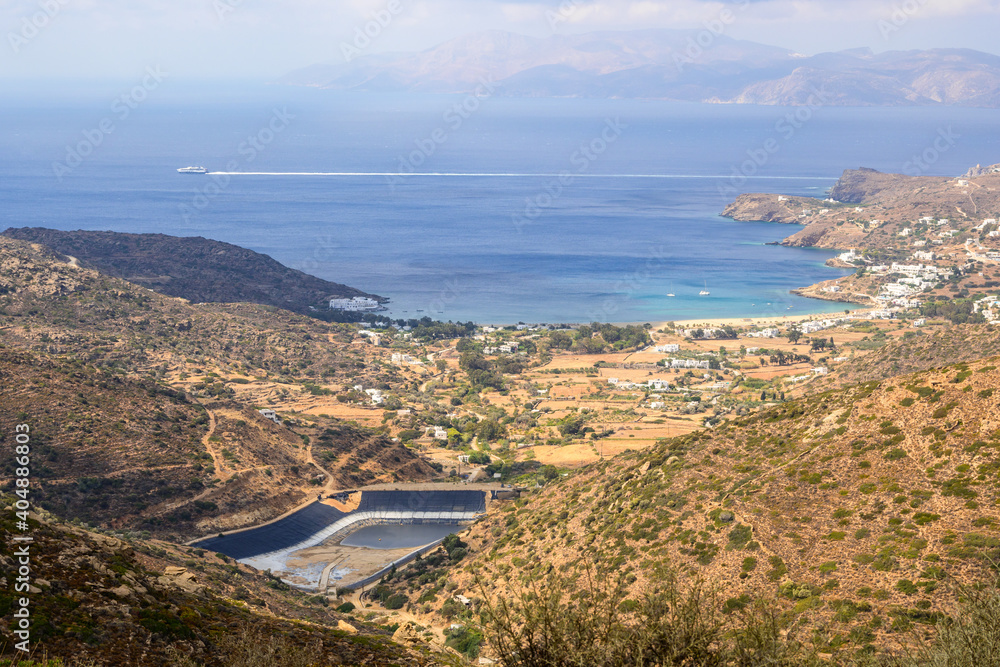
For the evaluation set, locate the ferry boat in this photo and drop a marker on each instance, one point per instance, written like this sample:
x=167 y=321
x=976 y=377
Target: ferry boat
x=192 y=170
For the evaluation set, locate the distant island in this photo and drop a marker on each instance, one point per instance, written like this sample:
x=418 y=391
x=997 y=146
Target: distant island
x=194 y=268
x=683 y=65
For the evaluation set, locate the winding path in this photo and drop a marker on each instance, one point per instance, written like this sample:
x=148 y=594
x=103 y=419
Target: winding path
x=209 y=446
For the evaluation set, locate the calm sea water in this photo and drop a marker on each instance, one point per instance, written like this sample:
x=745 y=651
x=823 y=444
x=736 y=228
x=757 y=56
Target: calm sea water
x=636 y=219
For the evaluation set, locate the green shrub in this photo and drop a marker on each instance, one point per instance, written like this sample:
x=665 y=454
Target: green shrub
x=396 y=601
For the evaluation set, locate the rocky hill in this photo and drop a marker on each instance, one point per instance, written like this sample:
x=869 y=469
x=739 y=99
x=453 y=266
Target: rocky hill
x=920 y=351
x=194 y=268
x=88 y=361
x=136 y=454
x=669 y=64
x=856 y=511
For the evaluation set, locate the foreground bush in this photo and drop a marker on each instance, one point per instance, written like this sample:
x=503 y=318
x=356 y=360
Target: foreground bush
x=558 y=620
x=549 y=625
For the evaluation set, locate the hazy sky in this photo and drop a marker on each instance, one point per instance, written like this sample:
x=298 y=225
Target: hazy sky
x=260 y=38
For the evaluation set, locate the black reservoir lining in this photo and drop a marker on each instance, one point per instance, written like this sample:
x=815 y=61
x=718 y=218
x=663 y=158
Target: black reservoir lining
x=315 y=517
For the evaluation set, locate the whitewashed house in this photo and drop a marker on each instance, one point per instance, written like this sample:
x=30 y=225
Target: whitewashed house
x=268 y=413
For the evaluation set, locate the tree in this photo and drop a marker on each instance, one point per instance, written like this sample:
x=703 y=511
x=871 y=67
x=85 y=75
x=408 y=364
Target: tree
x=572 y=424
x=473 y=360
x=490 y=430
x=479 y=458
x=794 y=334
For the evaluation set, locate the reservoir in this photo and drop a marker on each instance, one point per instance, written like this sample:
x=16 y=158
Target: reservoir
x=408 y=536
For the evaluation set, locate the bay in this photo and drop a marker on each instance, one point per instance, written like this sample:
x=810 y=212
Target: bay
x=579 y=210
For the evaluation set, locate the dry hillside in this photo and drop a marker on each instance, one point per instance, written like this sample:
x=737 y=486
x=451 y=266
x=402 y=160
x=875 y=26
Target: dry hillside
x=858 y=509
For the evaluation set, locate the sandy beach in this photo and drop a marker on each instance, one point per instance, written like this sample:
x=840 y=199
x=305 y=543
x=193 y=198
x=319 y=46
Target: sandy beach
x=783 y=320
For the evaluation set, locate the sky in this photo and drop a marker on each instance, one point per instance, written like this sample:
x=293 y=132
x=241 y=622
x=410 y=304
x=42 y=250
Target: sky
x=263 y=39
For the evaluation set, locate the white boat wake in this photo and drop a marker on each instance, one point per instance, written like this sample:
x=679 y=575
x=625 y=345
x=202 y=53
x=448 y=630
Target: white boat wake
x=498 y=175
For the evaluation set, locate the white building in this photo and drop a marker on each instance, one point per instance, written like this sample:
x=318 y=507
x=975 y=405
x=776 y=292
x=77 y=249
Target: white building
x=919 y=323
x=357 y=303
x=504 y=348
x=818 y=325
x=850 y=256
x=267 y=413
x=670 y=347
x=989 y=306
x=907 y=269
x=658 y=385
x=928 y=255
x=764 y=333
x=688 y=363
x=898 y=289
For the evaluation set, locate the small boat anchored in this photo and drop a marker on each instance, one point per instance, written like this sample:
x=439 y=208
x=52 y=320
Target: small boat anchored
x=705 y=291
x=192 y=170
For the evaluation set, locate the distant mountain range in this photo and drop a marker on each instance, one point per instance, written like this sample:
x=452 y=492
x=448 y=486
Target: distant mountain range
x=670 y=65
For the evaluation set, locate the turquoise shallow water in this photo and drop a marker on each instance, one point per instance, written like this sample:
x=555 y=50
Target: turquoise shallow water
x=606 y=241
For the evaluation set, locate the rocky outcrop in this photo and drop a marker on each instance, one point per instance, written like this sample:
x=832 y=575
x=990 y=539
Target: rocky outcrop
x=765 y=207
x=864 y=185
x=980 y=170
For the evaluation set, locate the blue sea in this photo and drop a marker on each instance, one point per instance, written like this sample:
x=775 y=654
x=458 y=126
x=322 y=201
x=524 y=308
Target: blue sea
x=461 y=208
